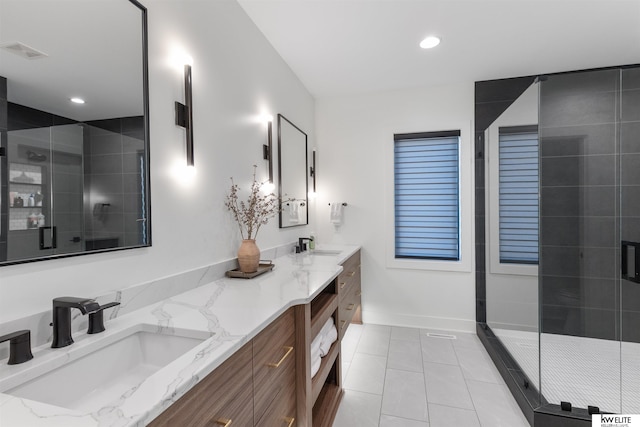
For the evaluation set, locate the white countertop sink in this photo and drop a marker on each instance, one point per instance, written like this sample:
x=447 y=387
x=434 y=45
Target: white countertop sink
x=109 y=371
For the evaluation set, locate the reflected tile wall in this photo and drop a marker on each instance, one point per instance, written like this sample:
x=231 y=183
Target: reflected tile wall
x=112 y=181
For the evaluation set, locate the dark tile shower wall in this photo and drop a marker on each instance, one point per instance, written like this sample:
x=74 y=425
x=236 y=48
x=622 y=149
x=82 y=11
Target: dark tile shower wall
x=112 y=168
x=579 y=239
x=112 y=150
x=630 y=193
x=4 y=170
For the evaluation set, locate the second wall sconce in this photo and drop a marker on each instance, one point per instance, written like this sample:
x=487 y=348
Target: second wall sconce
x=184 y=113
x=312 y=169
x=267 y=149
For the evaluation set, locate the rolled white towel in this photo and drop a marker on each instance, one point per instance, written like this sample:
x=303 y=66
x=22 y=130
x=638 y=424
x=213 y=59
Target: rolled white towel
x=327 y=325
x=315 y=366
x=316 y=355
x=315 y=344
x=328 y=339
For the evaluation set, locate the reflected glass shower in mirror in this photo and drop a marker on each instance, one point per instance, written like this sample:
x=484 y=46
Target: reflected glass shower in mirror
x=292 y=174
x=74 y=171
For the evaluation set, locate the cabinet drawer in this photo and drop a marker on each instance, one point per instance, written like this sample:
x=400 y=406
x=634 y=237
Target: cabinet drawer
x=273 y=362
x=350 y=275
x=225 y=394
x=282 y=412
x=348 y=308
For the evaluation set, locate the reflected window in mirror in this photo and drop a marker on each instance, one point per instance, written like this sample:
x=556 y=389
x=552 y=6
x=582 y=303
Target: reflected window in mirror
x=74 y=174
x=292 y=174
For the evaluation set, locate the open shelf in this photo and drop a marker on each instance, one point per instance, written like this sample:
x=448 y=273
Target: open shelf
x=322 y=307
x=320 y=380
x=326 y=406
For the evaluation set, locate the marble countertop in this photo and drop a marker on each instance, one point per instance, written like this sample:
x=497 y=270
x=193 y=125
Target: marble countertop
x=232 y=311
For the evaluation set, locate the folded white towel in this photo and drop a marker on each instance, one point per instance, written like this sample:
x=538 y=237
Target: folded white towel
x=329 y=338
x=336 y=213
x=315 y=366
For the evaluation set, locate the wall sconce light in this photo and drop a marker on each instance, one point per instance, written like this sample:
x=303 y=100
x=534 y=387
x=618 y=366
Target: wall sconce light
x=267 y=149
x=184 y=113
x=312 y=169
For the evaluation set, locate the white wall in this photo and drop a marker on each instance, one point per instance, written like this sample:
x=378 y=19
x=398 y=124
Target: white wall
x=236 y=76
x=355 y=165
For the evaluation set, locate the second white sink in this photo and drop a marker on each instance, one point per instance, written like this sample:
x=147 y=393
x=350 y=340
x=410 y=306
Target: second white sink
x=102 y=376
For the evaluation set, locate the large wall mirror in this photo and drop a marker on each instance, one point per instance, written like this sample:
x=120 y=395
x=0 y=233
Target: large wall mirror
x=292 y=174
x=74 y=128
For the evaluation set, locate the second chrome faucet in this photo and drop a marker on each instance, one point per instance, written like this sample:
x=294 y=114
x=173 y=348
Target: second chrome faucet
x=62 y=318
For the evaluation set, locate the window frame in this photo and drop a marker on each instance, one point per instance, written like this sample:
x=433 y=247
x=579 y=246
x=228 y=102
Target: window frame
x=449 y=137
x=466 y=206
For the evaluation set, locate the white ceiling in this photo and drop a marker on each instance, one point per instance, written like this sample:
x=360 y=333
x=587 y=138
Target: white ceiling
x=339 y=47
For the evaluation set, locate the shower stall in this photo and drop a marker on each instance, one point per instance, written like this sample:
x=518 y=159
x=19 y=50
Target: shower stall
x=558 y=240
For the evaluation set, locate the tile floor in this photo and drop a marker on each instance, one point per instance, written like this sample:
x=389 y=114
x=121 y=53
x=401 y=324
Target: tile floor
x=404 y=377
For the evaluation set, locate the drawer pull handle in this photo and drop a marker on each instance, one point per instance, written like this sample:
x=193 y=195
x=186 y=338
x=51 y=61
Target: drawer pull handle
x=223 y=422
x=342 y=285
x=343 y=323
x=276 y=365
x=351 y=273
x=350 y=307
x=289 y=420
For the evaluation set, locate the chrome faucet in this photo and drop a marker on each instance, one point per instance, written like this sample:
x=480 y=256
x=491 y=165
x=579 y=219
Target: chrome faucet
x=62 y=318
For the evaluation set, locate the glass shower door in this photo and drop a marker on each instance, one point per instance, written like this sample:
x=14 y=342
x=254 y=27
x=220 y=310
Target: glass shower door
x=580 y=240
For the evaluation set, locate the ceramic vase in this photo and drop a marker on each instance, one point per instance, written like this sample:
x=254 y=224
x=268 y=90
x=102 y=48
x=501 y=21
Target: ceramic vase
x=249 y=256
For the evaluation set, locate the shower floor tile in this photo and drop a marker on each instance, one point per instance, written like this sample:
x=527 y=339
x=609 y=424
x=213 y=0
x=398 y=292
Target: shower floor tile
x=583 y=371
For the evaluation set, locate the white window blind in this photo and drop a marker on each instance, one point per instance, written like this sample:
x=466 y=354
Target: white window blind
x=427 y=202
x=518 y=194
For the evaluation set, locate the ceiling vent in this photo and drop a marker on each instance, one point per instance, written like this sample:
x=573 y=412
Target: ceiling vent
x=23 y=50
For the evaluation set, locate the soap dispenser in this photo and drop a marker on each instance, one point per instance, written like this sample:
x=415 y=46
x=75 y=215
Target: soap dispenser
x=312 y=241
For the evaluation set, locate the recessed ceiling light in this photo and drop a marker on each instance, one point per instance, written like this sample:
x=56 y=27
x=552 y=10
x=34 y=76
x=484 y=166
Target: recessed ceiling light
x=430 y=42
x=77 y=100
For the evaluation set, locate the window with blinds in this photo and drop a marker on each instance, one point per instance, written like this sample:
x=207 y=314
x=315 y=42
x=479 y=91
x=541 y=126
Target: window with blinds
x=518 y=175
x=427 y=201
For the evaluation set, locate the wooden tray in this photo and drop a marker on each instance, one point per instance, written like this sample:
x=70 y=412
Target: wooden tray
x=262 y=268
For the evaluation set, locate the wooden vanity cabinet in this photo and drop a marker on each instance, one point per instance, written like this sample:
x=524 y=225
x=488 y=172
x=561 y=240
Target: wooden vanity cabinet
x=349 y=292
x=224 y=397
x=256 y=386
x=274 y=373
x=268 y=383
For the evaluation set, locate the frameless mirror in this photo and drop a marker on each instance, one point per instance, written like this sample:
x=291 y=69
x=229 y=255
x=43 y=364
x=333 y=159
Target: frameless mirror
x=292 y=174
x=74 y=127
